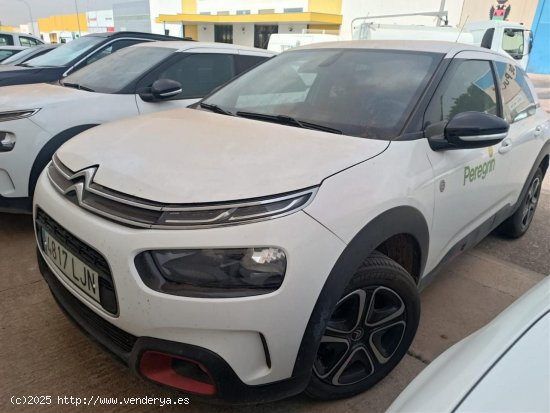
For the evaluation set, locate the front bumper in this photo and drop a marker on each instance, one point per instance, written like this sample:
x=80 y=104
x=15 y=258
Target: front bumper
x=254 y=340
x=16 y=165
x=129 y=349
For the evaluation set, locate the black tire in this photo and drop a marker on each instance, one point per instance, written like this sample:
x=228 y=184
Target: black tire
x=517 y=225
x=369 y=332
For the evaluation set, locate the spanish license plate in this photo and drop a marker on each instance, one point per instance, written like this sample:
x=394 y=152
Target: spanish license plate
x=71 y=267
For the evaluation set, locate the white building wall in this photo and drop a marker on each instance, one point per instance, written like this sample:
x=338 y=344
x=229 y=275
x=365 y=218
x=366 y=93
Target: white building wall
x=206 y=33
x=157 y=7
x=360 y=8
x=213 y=6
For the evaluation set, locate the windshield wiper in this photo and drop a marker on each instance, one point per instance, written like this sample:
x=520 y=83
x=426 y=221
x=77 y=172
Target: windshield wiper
x=215 y=108
x=289 y=120
x=77 y=86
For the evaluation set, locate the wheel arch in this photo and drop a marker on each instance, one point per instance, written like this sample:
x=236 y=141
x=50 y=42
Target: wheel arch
x=400 y=221
x=47 y=151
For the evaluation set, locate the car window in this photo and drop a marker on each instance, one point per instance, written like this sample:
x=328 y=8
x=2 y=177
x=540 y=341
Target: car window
x=246 y=62
x=28 y=41
x=109 y=49
x=200 y=73
x=364 y=93
x=66 y=53
x=114 y=72
x=4 y=54
x=517 y=98
x=469 y=86
x=513 y=42
x=6 y=40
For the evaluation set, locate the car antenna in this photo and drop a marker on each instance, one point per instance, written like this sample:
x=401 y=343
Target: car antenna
x=462 y=28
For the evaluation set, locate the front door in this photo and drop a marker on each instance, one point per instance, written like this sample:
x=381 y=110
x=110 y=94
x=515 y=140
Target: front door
x=198 y=73
x=470 y=184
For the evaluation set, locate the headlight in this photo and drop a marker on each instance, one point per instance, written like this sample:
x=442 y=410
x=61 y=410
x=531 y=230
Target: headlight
x=213 y=273
x=236 y=213
x=17 y=114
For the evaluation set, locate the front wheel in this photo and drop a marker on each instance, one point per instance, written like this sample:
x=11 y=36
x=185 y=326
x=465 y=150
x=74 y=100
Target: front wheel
x=518 y=224
x=369 y=331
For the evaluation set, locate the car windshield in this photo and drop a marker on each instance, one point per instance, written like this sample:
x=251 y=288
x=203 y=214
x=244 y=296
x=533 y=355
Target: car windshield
x=358 y=92
x=19 y=57
x=114 y=72
x=66 y=53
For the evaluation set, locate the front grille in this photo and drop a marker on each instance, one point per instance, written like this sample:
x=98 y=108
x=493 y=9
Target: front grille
x=117 y=341
x=79 y=188
x=85 y=253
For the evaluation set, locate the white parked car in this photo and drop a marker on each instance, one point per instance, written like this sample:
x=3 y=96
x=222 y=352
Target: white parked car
x=504 y=367
x=278 y=244
x=19 y=39
x=36 y=119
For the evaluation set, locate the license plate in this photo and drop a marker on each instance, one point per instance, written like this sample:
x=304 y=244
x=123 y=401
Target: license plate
x=71 y=267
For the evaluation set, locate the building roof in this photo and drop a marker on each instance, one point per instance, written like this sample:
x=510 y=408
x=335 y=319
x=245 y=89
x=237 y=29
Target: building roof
x=301 y=17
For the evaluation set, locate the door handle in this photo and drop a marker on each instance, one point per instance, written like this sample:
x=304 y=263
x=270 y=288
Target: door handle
x=505 y=146
x=538 y=130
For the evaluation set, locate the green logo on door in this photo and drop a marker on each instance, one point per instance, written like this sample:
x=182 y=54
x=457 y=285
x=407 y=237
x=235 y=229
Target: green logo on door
x=480 y=171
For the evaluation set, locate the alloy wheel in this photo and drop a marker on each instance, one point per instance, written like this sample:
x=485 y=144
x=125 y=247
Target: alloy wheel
x=363 y=333
x=532 y=198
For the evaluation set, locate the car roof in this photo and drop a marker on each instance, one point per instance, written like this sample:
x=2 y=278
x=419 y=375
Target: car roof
x=182 y=46
x=136 y=34
x=432 y=46
x=13 y=47
x=21 y=34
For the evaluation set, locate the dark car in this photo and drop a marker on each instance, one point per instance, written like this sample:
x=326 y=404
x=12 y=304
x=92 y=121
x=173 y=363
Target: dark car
x=28 y=54
x=73 y=56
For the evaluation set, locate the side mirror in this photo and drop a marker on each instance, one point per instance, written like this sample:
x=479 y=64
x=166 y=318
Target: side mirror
x=470 y=130
x=161 y=89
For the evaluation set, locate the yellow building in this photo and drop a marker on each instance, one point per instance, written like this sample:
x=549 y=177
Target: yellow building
x=58 y=29
x=248 y=22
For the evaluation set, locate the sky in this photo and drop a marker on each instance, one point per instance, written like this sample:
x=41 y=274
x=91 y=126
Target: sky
x=15 y=12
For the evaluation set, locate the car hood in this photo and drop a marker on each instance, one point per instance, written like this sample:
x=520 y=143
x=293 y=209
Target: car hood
x=36 y=96
x=194 y=156
x=13 y=75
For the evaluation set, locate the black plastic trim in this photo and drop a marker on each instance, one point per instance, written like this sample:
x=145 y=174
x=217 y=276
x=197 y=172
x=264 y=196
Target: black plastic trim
x=47 y=151
x=398 y=220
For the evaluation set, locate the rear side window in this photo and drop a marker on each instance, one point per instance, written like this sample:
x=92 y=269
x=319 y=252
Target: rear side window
x=110 y=49
x=4 y=54
x=469 y=86
x=517 y=99
x=6 y=40
x=200 y=73
x=28 y=41
x=246 y=62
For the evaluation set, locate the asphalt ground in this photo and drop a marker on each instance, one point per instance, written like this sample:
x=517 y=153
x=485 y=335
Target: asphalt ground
x=43 y=354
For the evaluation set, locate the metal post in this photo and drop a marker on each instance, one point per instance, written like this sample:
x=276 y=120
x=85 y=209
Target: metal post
x=77 y=18
x=30 y=14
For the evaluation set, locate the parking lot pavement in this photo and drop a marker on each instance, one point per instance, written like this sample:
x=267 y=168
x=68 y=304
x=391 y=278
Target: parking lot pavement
x=41 y=353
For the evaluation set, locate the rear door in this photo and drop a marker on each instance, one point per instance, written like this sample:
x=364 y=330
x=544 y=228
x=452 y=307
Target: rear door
x=470 y=183
x=526 y=123
x=199 y=71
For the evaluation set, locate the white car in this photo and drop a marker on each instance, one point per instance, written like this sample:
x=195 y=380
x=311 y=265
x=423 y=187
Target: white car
x=504 y=367
x=36 y=119
x=274 y=238
x=19 y=39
